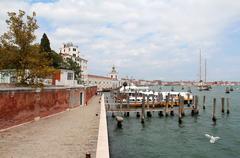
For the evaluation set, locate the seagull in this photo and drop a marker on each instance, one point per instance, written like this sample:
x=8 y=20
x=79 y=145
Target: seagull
x=212 y=138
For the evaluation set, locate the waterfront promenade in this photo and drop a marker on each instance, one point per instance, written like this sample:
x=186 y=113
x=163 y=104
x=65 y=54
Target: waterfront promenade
x=67 y=135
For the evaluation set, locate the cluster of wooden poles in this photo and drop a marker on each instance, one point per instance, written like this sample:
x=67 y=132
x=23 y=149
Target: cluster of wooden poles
x=169 y=109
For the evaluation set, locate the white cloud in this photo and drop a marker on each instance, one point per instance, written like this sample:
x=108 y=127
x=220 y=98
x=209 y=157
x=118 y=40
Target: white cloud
x=160 y=36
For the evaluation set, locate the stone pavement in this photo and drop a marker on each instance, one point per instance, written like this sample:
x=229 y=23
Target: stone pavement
x=67 y=135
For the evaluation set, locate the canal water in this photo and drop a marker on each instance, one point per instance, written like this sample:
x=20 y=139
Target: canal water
x=165 y=138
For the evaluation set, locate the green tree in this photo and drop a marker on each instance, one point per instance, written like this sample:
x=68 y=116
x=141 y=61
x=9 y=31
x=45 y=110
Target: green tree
x=20 y=53
x=55 y=59
x=72 y=65
x=45 y=44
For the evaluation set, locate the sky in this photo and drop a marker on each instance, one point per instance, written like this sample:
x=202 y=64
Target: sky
x=144 y=39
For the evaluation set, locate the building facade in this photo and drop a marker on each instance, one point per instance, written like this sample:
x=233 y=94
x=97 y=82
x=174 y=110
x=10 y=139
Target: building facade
x=71 y=51
x=64 y=78
x=103 y=82
x=113 y=74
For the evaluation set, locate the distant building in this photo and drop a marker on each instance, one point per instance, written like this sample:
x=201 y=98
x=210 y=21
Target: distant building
x=103 y=82
x=113 y=74
x=69 y=50
x=7 y=76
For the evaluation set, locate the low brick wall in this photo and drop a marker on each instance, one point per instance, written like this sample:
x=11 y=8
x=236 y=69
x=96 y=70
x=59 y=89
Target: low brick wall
x=89 y=92
x=19 y=105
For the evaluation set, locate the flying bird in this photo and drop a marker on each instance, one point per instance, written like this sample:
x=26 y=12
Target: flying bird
x=212 y=138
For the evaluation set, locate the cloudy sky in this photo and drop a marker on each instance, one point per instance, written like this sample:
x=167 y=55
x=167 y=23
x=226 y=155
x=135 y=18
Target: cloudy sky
x=144 y=39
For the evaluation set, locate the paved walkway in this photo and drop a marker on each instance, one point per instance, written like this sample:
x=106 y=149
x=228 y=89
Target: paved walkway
x=67 y=135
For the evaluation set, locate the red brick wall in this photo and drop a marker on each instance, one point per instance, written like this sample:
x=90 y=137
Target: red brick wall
x=89 y=93
x=17 y=107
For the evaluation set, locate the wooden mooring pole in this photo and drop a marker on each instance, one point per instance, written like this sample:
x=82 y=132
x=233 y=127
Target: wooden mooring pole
x=166 y=105
x=179 y=112
x=188 y=97
x=214 y=110
x=182 y=106
x=143 y=109
x=228 y=111
x=148 y=101
x=193 y=106
x=196 y=106
x=153 y=100
x=204 y=102
x=172 y=111
x=222 y=101
x=128 y=104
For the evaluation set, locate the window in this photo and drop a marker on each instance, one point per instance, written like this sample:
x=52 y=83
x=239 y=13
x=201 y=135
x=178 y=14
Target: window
x=70 y=76
x=69 y=49
x=74 y=49
x=74 y=55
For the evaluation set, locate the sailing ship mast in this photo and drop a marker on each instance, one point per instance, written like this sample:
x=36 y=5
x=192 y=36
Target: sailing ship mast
x=205 y=71
x=200 y=67
x=203 y=83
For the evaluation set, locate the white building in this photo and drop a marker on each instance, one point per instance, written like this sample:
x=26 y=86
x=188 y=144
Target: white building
x=6 y=76
x=64 y=78
x=113 y=74
x=102 y=82
x=69 y=50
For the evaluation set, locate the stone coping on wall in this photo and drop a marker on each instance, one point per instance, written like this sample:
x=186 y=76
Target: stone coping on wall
x=102 y=144
x=7 y=89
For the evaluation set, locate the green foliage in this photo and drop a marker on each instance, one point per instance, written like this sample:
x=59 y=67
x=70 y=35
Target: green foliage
x=72 y=65
x=18 y=52
x=57 y=60
x=54 y=58
x=45 y=44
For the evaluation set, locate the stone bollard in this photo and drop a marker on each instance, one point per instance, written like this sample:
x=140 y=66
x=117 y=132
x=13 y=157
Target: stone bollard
x=88 y=155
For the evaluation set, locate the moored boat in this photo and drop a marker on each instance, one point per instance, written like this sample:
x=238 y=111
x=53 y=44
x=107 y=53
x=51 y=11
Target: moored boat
x=134 y=96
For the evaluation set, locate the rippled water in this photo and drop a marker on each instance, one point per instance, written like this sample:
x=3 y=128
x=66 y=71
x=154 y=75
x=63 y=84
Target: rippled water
x=163 y=137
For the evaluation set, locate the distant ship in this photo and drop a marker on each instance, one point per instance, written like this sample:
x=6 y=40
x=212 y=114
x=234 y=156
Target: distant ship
x=203 y=86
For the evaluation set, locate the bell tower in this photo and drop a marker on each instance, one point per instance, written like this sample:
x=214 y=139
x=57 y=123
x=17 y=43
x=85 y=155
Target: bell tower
x=113 y=74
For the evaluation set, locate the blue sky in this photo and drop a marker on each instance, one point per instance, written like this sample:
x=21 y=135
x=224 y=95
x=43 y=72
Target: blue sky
x=144 y=39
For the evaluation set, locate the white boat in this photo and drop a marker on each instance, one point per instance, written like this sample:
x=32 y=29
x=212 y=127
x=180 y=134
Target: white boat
x=135 y=95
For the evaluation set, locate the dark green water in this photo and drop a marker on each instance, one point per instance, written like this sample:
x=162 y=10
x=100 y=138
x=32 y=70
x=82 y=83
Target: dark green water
x=163 y=137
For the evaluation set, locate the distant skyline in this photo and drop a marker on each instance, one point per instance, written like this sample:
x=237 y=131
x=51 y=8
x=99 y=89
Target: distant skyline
x=144 y=39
